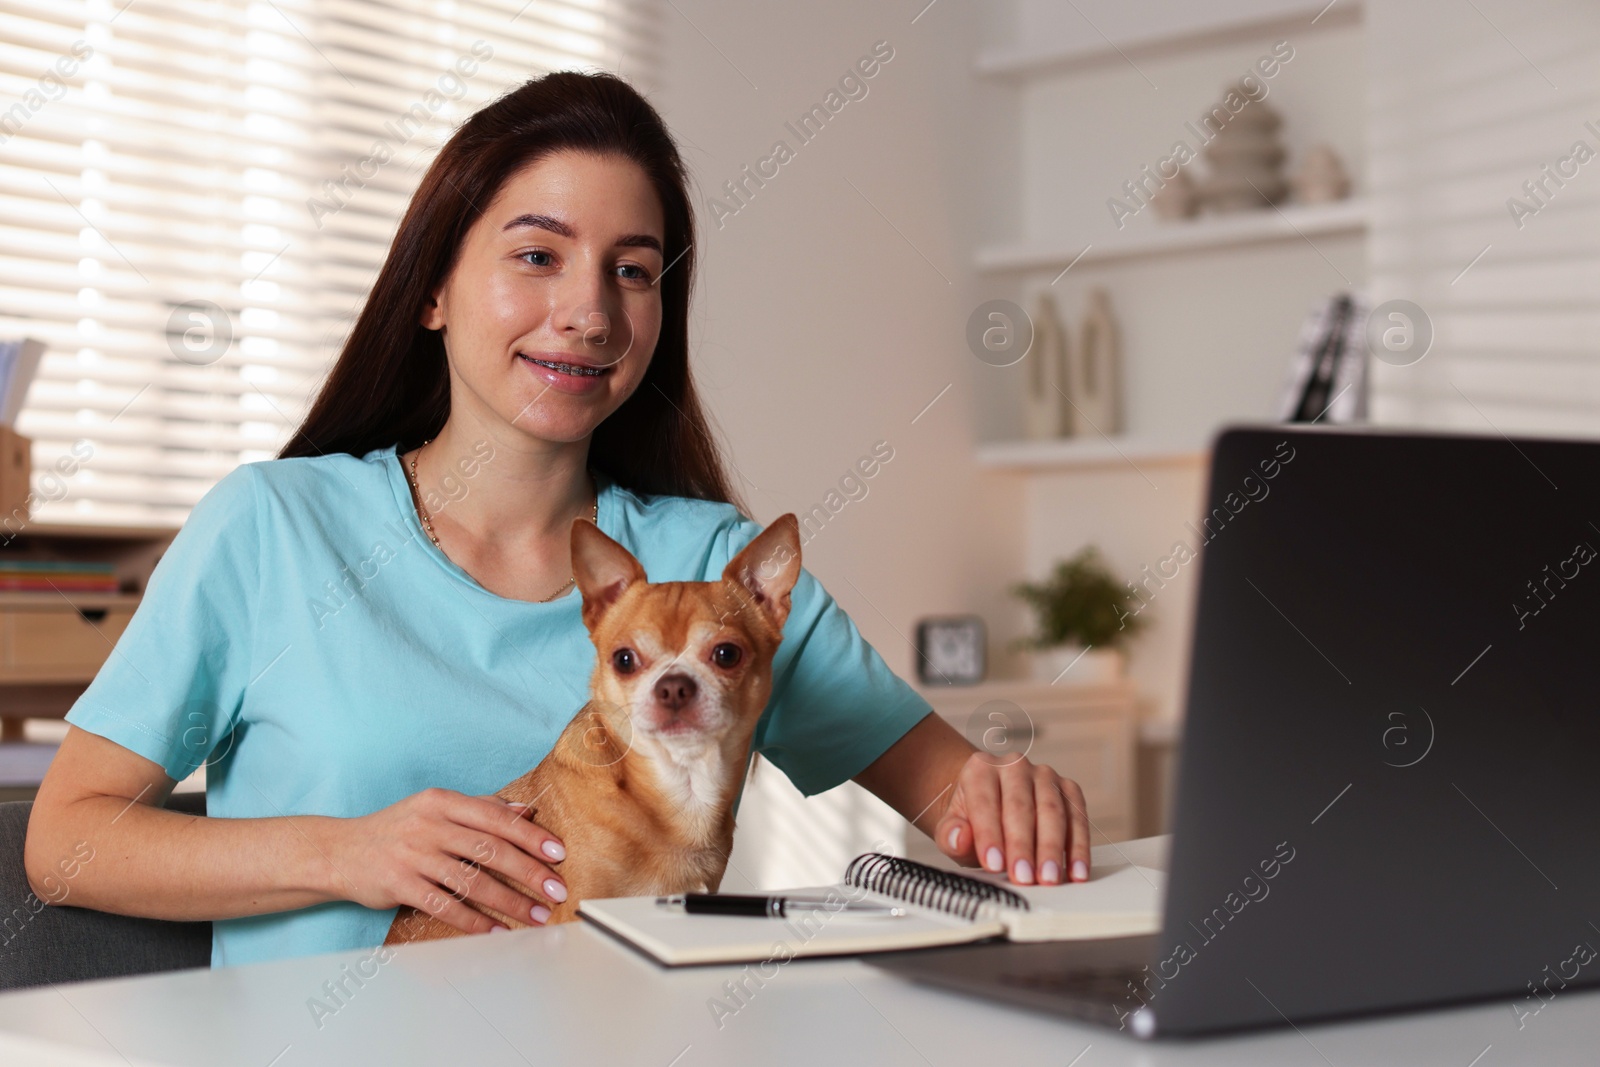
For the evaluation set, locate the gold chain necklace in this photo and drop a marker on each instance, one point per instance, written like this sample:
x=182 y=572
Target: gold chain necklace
x=427 y=521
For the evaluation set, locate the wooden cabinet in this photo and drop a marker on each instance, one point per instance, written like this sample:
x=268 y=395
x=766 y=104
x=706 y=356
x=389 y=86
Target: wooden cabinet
x=57 y=643
x=1087 y=733
x=51 y=644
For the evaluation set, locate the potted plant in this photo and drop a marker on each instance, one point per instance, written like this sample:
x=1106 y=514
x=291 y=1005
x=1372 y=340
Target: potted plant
x=1084 y=620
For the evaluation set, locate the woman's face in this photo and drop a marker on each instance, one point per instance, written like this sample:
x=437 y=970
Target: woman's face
x=552 y=311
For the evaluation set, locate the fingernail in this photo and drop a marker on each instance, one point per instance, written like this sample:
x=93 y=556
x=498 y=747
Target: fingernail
x=1024 y=872
x=555 y=890
x=497 y=929
x=539 y=913
x=994 y=860
x=515 y=804
x=554 y=850
x=955 y=835
x=1080 y=871
x=1049 y=871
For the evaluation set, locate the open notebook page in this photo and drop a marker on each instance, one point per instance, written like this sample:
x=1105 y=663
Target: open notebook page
x=676 y=938
x=1118 y=900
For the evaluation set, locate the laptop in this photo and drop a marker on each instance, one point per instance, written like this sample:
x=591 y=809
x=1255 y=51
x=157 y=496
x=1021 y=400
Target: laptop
x=1390 y=764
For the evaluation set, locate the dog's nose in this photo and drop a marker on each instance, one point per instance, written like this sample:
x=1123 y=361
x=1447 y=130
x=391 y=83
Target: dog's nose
x=673 y=691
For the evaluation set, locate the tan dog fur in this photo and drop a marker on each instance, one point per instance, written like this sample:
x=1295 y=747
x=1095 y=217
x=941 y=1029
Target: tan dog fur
x=640 y=793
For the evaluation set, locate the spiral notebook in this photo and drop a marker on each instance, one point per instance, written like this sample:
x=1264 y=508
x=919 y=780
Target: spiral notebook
x=947 y=908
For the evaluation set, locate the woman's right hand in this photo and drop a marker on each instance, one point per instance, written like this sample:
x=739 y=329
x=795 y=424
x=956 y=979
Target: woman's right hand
x=426 y=850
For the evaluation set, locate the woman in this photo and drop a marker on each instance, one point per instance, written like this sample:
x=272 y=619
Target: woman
x=362 y=638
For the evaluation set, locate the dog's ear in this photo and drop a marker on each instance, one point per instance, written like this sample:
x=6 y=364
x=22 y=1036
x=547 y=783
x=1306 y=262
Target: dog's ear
x=602 y=568
x=768 y=567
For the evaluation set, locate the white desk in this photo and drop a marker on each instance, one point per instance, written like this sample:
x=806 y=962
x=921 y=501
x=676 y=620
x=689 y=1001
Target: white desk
x=571 y=995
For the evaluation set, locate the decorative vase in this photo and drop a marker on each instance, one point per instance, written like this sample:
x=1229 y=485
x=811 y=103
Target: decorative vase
x=1072 y=665
x=1178 y=199
x=1321 y=178
x=1046 y=413
x=1095 y=372
x=1245 y=156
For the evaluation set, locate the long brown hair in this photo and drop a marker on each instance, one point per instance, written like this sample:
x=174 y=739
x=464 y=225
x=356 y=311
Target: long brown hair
x=390 y=384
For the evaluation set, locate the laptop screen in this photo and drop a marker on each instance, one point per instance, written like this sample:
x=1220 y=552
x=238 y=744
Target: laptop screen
x=1391 y=753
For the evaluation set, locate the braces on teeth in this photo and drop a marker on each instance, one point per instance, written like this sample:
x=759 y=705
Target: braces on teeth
x=570 y=368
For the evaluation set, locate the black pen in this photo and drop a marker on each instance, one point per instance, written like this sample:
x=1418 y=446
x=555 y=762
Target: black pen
x=769 y=907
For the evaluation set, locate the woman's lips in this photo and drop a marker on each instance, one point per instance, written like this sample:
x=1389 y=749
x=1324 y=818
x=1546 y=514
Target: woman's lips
x=565 y=377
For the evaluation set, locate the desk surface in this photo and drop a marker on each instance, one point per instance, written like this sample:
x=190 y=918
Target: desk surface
x=570 y=994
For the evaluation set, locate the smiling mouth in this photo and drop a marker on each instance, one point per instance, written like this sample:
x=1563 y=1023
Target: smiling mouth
x=577 y=369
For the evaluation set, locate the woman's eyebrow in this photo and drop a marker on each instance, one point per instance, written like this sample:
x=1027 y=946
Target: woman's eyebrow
x=555 y=225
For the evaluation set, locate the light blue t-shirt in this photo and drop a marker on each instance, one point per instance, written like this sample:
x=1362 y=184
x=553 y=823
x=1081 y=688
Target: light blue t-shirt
x=305 y=641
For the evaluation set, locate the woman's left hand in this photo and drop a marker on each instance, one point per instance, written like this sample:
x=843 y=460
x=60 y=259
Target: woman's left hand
x=1008 y=814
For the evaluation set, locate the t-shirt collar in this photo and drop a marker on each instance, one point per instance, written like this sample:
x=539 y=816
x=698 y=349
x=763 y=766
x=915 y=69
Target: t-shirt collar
x=605 y=519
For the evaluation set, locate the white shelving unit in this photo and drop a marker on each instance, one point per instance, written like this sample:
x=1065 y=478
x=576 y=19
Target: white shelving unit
x=1210 y=306
x=1289 y=223
x=1208 y=309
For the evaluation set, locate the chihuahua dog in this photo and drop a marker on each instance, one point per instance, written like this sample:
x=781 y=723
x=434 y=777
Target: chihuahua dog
x=640 y=785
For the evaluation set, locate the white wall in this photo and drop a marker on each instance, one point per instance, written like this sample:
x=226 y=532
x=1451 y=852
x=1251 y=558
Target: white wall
x=822 y=326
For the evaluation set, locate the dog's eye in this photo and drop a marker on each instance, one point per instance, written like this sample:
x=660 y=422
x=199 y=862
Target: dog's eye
x=624 y=660
x=726 y=655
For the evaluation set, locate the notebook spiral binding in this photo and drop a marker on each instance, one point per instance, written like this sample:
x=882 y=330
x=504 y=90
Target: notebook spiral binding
x=917 y=883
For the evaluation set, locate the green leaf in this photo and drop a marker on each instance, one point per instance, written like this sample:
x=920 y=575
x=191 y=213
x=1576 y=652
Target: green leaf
x=1080 y=603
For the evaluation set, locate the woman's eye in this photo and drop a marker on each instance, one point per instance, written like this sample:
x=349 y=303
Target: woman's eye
x=726 y=655
x=639 y=275
x=624 y=660
x=536 y=252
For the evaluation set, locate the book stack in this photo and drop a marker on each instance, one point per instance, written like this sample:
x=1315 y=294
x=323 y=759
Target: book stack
x=19 y=361
x=37 y=576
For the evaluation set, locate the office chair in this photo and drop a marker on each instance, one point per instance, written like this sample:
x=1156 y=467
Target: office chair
x=42 y=944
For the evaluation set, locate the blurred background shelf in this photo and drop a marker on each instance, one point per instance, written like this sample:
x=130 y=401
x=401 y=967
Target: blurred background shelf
x=1290 y=223
x=14 y=601
x=1068 y=453
x=53 y=643
x=1178 y=31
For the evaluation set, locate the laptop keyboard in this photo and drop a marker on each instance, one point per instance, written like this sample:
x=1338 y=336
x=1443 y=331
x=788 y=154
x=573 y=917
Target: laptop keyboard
x=1094 y=981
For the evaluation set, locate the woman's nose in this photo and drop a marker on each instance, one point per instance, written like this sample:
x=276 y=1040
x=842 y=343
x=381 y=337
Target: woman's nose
x=582 y=306
x=592 y=322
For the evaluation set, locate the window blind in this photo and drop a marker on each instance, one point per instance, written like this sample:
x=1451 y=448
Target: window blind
x=1486 y=199
x=195 y=196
